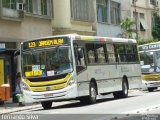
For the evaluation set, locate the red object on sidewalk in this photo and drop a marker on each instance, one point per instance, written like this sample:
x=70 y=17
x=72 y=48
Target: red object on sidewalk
x=5 y=92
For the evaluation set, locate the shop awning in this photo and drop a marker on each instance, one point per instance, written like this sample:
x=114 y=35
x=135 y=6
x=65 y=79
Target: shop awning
x=144 y=24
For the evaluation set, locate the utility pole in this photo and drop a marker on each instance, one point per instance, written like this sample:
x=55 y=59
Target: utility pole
x=136 y=17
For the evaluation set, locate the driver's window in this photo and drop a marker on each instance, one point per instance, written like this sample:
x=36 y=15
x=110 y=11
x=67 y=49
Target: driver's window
x=79 y=59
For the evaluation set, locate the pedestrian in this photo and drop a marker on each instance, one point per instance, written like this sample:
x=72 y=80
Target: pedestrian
x=19 y=93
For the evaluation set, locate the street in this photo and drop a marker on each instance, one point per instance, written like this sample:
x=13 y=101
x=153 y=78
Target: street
x=106 y=108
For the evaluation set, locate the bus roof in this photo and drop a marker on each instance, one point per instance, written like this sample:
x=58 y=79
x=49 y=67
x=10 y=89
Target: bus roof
x=90 y=38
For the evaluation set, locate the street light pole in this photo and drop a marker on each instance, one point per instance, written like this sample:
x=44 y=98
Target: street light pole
x=136 y=18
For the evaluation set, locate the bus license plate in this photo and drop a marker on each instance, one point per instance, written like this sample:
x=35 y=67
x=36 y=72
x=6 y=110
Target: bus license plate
x=48 y=95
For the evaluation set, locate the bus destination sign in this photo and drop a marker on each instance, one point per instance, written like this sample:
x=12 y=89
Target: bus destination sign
x=45 y=43
x=149 y=47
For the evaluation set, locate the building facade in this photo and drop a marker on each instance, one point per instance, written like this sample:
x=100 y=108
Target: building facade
x=20 y=20
x=108 y=19
x=110 y=13
x=142 y=12
x=74 y=16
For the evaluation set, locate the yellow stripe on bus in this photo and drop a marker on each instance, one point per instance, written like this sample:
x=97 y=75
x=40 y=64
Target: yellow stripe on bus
x=58 y=81
x=151 y=77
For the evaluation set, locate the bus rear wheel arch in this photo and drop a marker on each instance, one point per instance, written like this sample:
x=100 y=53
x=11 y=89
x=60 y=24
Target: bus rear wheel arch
x=124 y=92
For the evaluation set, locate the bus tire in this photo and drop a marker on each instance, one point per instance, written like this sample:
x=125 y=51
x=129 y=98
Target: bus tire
x=92 y=93
x=124 y=92
x=46 y=105
x=152 y=89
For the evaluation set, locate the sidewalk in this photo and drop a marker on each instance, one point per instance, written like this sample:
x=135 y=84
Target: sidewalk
x=10 y=107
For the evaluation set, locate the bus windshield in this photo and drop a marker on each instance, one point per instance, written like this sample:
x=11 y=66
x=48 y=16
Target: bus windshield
x=47 y=62
x=150 y=61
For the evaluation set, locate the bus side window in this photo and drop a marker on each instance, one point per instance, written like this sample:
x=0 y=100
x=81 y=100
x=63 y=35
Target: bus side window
x=111 y=53
x=91 y=54
x=121 y=52
x=80 y=59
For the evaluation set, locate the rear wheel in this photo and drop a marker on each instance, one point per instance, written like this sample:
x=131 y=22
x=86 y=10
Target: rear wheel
x=46 y=105
x=124 y=92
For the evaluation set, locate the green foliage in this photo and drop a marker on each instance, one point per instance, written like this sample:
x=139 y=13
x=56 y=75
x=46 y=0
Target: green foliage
x=142 y=41
x=126 y=25
x=156 y=28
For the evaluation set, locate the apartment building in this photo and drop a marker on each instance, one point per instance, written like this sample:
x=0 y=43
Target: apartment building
x=108 y=19
x=20 y=20
x=74 y=16
x=142 y=11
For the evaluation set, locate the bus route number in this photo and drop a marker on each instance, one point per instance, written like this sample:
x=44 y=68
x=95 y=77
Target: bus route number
x=32 y=44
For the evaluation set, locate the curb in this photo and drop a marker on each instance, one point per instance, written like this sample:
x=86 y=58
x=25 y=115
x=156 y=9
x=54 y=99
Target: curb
x=8 y=111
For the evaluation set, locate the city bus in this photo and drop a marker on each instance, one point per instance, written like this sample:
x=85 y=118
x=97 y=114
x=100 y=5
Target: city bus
x=78 y=67
x=150 y=65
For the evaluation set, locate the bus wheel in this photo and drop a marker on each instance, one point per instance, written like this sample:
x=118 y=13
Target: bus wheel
x=46 y=105
x=92 y=93
x=124 y=92
x=152 y=89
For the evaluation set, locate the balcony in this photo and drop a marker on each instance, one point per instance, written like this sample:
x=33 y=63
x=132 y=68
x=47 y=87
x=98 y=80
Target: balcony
x=12 y=14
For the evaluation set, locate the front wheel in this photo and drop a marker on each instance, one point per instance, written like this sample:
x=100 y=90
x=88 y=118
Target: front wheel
x=46 y=105
x=152 y=89
x=91 y=99
x=92 y=93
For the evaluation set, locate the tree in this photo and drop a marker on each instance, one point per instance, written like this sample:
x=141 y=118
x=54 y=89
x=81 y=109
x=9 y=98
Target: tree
x=156 y=28
x=126 y=25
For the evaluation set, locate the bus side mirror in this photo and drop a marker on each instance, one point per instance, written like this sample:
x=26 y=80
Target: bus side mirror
x=80 y=53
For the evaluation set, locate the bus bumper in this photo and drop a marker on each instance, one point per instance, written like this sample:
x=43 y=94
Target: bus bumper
x=150 y=84
x=66 y=93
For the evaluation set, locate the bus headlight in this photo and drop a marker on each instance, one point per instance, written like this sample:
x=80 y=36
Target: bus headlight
x=25 y=87
x=71 y=81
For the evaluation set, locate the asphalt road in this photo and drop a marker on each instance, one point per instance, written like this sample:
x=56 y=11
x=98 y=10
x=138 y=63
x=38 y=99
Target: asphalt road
x=135 y=107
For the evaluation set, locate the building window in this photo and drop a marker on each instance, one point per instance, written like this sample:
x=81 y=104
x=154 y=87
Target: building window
x=29 y=6
x=102 y=11
x=44 y=7
x=143 y=23
x=82 y=10
x=115 y=13
x=39 y=7
x=153 y=2
x=12 y=4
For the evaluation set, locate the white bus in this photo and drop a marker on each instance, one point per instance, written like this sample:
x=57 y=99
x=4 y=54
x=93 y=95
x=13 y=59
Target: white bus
x=78 y=67
x=150 y=65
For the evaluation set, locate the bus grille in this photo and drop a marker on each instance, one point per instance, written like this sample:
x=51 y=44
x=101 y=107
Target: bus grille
x=49 y=85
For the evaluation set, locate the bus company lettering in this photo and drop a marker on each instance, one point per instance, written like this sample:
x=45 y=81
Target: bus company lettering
x=51 y=42
x=151 y=47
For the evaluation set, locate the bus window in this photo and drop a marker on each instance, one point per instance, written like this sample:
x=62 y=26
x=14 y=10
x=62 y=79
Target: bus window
x=131 y=53
x=111 y=53
x=120 y=49
x=80 y=59
x=91 y=53
x=100 y=53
